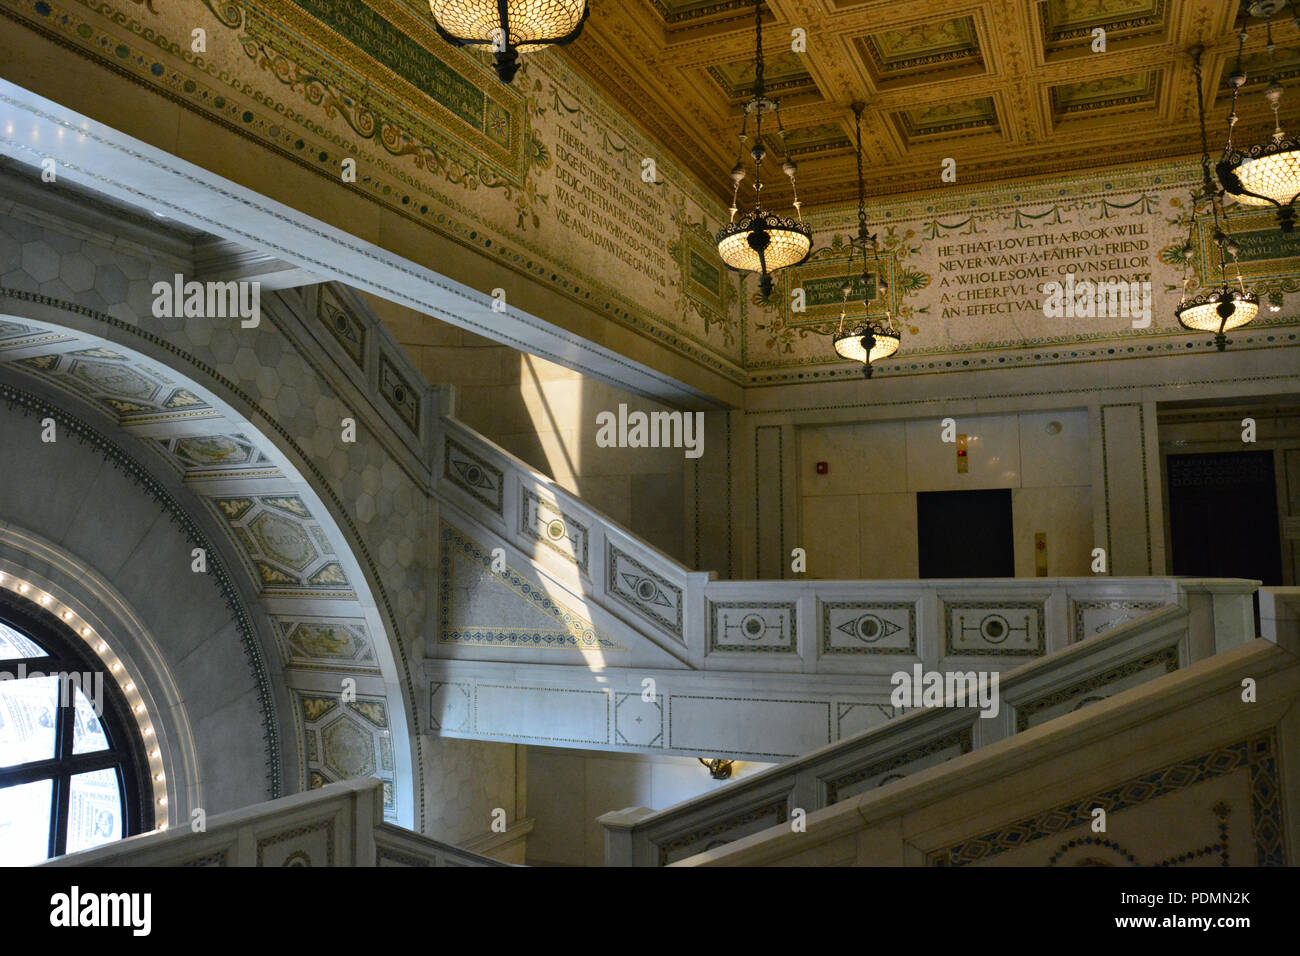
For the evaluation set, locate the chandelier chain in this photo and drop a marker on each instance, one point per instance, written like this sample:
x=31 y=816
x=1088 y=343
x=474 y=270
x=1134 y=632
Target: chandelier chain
x=1213 y=196
x=862 y=193
x=760 y=241
x=1238 y=78
x=1274 y=92
x=1205 y=140
x=759 y=90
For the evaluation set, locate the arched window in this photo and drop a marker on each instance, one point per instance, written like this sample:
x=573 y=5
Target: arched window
x=72 y=767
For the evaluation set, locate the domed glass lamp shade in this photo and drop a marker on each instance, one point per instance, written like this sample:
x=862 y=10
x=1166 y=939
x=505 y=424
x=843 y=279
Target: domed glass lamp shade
x=509 y=27
x=1266 y=174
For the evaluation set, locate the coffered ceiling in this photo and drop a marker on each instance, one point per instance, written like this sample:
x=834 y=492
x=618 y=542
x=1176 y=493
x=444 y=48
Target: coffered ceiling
x=1007 y=88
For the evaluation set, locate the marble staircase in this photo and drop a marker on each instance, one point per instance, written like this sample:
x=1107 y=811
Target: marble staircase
x=557 y=627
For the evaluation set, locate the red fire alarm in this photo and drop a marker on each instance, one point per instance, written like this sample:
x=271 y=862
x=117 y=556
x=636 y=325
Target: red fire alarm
x=823 y=468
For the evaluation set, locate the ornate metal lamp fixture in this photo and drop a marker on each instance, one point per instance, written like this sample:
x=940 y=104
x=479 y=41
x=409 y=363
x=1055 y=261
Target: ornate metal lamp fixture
x=1221 y=308
x=869 y=341
x=719 y=769
x=509 y=27
x=761 y=241
x=1267 y=174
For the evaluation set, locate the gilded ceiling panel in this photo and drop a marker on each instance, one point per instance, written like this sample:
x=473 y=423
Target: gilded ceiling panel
x=1128 y=91
x=1064 y=18
x=961 y=116
x=684 y=9
x=813 y=139
x=783 y=74
x=925 y=44
x=1260 y=67
x=906 y=57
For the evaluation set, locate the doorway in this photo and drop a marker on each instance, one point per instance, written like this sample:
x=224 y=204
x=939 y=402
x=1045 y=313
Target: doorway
x=1223 y=517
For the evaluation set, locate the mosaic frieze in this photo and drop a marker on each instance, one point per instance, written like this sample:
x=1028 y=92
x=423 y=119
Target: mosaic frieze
x=326 y=644
x=347 y=739
x=752 y=627
x=286 y=547
x=545 y=523
x=877 y=773
x=499 y=608
x=966 y=272
x=473 y=475
x=886 y=628
x=638 y=722
x=1090 y=618
x=994 y=628
x=111 y=380
x=543 y=176
x=1121 y=677
x=636 y=586
x=346 y=329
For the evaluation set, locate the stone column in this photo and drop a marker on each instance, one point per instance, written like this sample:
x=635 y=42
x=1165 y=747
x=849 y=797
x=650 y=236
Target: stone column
x=1127 y=493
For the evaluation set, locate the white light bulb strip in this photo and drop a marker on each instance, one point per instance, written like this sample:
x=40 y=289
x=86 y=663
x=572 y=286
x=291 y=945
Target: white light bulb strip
x=113 y=667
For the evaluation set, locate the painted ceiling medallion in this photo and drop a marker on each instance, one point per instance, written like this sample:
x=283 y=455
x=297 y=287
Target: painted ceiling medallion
x=1266 y=174
x=761 y=241
x=870 y=340
x=1223 y=307
x=509 y=27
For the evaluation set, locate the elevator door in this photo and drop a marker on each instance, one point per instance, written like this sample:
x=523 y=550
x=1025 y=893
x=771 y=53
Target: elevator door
x=965 y=534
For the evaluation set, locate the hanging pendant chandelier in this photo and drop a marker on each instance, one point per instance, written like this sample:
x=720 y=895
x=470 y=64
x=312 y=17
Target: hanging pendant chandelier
x=509 y=27
x=761 y=241
x=870 y=340
x=1267 y=174
x=1226 y=306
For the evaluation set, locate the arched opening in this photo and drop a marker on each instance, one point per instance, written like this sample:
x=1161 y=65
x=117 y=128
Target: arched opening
x=253 y=514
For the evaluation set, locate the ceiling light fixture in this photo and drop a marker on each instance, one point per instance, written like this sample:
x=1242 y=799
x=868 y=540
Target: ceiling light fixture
x=1267 y=174
x=509 y=27
x=870 y=340
x=1221 y=308
x=761 y=241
